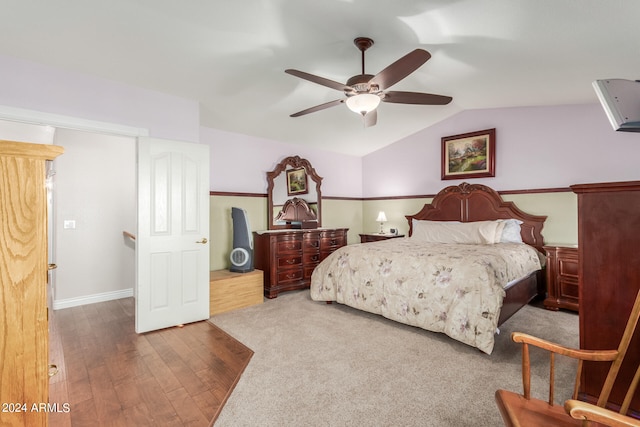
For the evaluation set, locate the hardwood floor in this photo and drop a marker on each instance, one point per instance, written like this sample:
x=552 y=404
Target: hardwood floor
x=109 y=375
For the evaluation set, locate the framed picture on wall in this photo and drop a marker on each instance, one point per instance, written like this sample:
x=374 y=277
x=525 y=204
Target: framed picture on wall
x=297 y=182
x=469 y=155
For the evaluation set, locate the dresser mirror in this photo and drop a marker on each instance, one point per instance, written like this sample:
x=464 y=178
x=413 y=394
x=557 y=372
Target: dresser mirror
x=293 y=181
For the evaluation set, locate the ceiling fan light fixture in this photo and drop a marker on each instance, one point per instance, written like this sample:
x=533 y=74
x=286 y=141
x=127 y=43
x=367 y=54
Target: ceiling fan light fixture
x=363 y=103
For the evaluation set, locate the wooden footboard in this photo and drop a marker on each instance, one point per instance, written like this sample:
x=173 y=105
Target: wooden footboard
x=521 y=294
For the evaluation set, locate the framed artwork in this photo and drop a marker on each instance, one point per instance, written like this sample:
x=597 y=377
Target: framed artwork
x=469 y=155
x=297 y=181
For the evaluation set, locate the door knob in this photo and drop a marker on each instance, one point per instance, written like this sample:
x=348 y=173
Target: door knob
x=203 y=241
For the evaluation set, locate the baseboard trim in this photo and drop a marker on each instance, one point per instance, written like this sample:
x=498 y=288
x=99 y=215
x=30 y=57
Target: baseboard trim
x=92 y=299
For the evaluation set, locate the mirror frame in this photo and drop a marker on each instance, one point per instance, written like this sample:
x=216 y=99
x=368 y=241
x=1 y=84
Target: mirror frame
x=295 y=162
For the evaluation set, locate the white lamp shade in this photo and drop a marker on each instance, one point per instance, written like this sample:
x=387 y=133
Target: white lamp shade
x=363 y=103
x=381 y=217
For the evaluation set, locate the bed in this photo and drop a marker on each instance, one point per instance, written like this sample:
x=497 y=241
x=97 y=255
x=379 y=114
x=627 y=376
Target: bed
x=465 y=287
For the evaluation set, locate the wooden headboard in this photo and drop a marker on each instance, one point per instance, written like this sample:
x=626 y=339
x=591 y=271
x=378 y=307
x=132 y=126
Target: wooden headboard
x=296 y=210
x=475 y=202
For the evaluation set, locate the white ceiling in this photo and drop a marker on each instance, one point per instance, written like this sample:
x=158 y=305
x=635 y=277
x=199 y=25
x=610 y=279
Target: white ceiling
x=230 y=55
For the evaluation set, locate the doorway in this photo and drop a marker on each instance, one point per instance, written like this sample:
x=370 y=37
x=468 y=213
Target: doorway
x=95 y=192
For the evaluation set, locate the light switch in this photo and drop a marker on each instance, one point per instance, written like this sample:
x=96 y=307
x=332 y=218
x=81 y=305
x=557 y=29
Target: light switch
x=69 y=224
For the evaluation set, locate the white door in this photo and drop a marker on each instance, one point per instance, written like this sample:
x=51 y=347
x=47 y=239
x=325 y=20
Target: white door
x=172 y=249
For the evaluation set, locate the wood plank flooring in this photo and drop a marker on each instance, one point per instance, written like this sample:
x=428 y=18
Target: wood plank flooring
x=109 y=375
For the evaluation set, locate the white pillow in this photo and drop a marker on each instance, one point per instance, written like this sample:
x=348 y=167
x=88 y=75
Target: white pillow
x=499 y=230
x=477 y=232
x=511 y=231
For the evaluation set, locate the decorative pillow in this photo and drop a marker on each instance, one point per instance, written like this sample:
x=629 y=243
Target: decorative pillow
x=511 y=231
x=477 y=232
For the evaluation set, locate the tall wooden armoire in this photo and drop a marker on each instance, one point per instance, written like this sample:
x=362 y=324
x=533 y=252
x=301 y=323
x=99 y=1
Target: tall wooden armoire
x=609 y=275
x=24 y=351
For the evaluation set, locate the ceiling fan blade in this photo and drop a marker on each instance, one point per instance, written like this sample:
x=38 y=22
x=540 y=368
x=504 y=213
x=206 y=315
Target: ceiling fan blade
x=371 y=118
x=319 y=80
x=318 y=108
x=416 y=98
x=400 y=69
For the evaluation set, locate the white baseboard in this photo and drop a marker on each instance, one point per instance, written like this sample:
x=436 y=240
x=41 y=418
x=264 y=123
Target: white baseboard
x=92 y=299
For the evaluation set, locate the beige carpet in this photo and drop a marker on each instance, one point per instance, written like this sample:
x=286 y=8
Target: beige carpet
x=331 y=365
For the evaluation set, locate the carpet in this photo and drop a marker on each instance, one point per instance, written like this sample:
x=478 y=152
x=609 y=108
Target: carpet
x=330 y=365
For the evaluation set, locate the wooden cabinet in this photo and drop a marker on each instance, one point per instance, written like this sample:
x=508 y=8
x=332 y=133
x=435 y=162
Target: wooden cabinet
x=562 y=277
x=288 y=257
x=609 y=275
x=24 y=348
x=376 y=237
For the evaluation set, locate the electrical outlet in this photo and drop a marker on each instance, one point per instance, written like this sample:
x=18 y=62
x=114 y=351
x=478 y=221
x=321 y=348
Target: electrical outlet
x=69 y=224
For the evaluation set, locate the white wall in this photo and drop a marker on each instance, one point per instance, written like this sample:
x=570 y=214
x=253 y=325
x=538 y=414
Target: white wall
x=23 y=132
x=536 y=147
x=95 y=187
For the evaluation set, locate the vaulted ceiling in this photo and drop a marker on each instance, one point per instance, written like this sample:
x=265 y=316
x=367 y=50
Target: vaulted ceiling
x=230 y=55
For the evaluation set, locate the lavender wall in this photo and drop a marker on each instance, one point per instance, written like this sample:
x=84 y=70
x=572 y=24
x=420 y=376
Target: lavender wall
x=40 y=88
x=536 y=147
x=239 y=163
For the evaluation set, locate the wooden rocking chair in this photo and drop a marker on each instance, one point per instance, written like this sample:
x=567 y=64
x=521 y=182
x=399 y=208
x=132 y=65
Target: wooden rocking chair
x=522 y=410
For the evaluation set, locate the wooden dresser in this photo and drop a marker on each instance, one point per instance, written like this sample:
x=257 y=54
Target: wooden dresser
x=563 y=289
x=609 y=275
x=24 y=336
x=288 y=256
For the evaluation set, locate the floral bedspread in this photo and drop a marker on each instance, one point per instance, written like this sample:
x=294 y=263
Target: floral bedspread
x=455 y=289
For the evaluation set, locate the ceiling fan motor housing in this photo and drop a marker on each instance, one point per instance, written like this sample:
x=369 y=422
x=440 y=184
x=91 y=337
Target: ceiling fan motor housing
x=360 y=84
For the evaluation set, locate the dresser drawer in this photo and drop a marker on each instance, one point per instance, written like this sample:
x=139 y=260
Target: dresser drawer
x=308 y=271
x=286 y=276
x=311 y=245
x=332 y=234
x=568 y=267
x=288 y=245
x=289 y=261
x=569 y=288
x=312 y=258
x=332 y=243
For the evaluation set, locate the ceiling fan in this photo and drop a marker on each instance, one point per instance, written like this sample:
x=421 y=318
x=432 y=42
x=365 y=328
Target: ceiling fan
x=365 y=91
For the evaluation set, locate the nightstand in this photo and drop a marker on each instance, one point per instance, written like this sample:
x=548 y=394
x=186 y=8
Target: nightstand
x=563 y=288
x=376 y=237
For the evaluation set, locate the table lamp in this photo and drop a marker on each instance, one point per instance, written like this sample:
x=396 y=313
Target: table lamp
x=382 y=218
